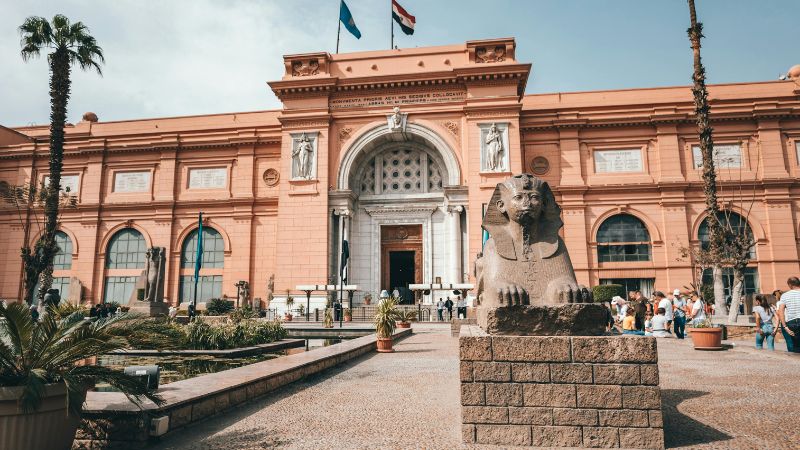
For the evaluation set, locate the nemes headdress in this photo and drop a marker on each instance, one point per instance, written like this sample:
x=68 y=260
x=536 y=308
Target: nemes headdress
x=495 y=221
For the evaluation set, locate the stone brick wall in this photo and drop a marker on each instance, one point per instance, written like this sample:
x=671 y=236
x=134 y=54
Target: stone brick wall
x=549 y=391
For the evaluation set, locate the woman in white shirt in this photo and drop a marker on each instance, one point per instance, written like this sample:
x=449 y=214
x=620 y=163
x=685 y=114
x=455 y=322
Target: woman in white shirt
x=698 y=309
x=765 y=322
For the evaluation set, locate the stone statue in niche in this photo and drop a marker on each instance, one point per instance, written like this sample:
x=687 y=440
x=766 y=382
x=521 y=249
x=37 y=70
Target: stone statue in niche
x=244 y=294
x=302 y=157
x=397 y=121
x=494 y=149
x=526 y=283
x=154 y=274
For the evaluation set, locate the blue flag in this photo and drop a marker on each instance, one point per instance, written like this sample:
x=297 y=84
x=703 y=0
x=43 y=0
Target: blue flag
x=347 y=20
x=198 y=260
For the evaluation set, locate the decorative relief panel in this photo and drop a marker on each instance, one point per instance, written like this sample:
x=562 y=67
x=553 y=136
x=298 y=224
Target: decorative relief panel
x=309 y=64
x=540 y=165
x=271 y=177
x=490 y=54
x=208 y=178
x=397 y=121
x=305 y=68
x=126 y=182
x=304 y=155
x=494 y=147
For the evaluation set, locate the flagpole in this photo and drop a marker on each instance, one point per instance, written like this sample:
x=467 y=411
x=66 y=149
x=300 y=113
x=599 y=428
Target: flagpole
x=391 y=20
x=338 y=32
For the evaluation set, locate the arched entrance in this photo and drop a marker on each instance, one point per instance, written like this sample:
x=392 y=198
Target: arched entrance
x=402 y=211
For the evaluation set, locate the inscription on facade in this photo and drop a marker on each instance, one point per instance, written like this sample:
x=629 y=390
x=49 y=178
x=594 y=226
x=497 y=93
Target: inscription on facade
x=398 y=99
x=69 y=183
x=213 y=178
x=725 y=156
x=132 y=181
x=610 y=161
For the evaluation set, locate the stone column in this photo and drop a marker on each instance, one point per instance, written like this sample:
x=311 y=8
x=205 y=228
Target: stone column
x=344 y=233
x=456 y=274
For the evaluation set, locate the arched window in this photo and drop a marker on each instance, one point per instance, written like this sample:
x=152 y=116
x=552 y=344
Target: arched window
x=623 y=238
x=733 y=225
x=209 y=284
x=126 y=250
x=63 y=259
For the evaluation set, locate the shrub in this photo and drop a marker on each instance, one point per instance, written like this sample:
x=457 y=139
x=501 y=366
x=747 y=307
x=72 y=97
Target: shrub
x=707 y=292
x=241 y=314
x=605 y=292
x=202 y=336
x=218 y=307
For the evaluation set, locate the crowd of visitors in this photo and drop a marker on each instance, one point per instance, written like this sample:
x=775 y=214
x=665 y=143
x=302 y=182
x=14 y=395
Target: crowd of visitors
x=666 y=315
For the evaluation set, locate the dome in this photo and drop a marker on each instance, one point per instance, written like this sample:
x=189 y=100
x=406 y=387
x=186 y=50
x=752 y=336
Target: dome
x=794 y=72
x=89 y=117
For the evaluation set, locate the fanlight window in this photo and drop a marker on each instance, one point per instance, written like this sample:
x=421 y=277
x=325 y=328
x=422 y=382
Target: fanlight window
x=126 y=250
x=623 y=238
x=401 y=171
x=213 y=250
x=733 y=225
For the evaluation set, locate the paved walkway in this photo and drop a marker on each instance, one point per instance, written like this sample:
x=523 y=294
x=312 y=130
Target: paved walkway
x=736 y=399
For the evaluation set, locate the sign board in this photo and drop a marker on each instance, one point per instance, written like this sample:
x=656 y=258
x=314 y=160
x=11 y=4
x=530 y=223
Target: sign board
x=132 y=181
x=613 y=161
x=214 y=178
x=67 y=181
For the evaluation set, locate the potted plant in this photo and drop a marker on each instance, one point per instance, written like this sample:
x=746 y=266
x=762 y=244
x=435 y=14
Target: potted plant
x=404 y=318
x=385 y=323
x=705 y=336
x=289 y=303
x=348 y=315
x=368 y=299
x=46 y=367
x=301 y=310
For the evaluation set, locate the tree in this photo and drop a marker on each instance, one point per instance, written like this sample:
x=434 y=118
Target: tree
x=702 y=111
x=71 y=44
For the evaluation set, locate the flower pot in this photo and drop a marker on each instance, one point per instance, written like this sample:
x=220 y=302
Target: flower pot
x=403 y=324
x=287 y=317
x=385 y=345
x=707 y=338
x=47 y=428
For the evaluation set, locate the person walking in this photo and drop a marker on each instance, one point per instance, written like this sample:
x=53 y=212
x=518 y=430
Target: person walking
x=786 y=337
x=789 y=313
x=449 y=305
x=440 y=309
x=461 y=307
x=679 y=314
x=765 y=327
x=661 y=301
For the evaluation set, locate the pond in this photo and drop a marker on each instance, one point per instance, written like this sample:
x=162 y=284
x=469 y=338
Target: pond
x=176 y=367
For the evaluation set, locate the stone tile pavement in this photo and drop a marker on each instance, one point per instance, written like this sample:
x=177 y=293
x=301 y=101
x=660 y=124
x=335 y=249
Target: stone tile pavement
x=736 y=399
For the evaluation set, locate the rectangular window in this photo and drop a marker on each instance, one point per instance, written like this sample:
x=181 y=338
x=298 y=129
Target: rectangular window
x=725 y=156
x=646 y=285
x=623 y=252
x=216 y=178
x=69 y=183
x=208 y=287
x=119 y=289
x=797 y=150
x=132 y=181
x=614 y=161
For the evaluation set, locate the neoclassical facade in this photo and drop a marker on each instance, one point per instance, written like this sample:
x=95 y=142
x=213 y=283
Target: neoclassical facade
x=397 y=152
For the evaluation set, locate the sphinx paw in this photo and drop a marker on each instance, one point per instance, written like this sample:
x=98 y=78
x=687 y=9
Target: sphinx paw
x=511 y=295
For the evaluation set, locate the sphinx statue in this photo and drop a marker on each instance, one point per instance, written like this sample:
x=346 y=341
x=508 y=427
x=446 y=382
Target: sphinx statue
x=525 y=280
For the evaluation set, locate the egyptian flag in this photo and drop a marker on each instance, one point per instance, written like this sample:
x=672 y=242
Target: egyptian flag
x=403 y=18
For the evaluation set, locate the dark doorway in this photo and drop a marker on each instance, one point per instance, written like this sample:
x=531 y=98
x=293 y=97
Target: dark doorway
x=401 y=273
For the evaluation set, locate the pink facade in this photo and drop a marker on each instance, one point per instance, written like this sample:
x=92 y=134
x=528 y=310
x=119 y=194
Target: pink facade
x=279 y=202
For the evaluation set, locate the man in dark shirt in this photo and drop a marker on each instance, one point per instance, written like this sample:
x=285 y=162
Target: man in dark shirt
x=449 y=305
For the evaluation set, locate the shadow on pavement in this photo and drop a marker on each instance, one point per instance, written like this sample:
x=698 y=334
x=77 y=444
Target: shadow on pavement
x=681 y=430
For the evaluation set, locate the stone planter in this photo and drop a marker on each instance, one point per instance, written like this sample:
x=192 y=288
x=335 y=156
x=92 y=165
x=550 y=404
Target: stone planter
x=384 y=345
x=707 y=338
x=47 y=428
x=403 y=324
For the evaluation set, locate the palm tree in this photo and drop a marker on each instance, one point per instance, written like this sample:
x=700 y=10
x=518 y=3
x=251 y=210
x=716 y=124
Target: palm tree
x=55 y=349
x=702 y=109
x=71 y=44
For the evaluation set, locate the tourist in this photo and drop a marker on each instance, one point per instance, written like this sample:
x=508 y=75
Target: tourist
x=679 y=314
x=440 y=309
x=173 y=312
x=629 y=323
x=784 y=332
x=34 y=313
x=102 y=311
x=640 y=310
x=659 y=324
x=648 y=324
x=698 y=313
x=609 y=317
x=449 y=305
x=622 y=307
x=789 y=313
x=662 y=301
x=765 y=328
x=461 y=305
x=93 y=312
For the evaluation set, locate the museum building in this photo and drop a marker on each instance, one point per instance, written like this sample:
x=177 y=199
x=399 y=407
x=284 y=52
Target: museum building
x=398 y=152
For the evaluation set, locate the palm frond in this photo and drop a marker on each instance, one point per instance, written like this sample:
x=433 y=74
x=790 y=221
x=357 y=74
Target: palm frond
x=35 y=33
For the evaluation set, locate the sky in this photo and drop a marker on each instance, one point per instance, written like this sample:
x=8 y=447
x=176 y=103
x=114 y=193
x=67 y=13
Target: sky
x=188 y=57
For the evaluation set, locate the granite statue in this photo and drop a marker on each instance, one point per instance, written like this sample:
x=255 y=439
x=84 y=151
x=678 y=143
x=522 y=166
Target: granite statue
x=524 y=274
x=155 y=258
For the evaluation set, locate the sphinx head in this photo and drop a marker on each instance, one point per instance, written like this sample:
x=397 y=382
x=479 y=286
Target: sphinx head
x=521 y=198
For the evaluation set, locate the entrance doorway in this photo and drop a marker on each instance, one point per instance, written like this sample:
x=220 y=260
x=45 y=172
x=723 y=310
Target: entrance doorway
x=401 y=259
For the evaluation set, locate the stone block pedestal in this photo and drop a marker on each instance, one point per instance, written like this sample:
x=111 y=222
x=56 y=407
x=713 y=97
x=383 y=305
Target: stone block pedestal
x=560 y=391
x=150 y=309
